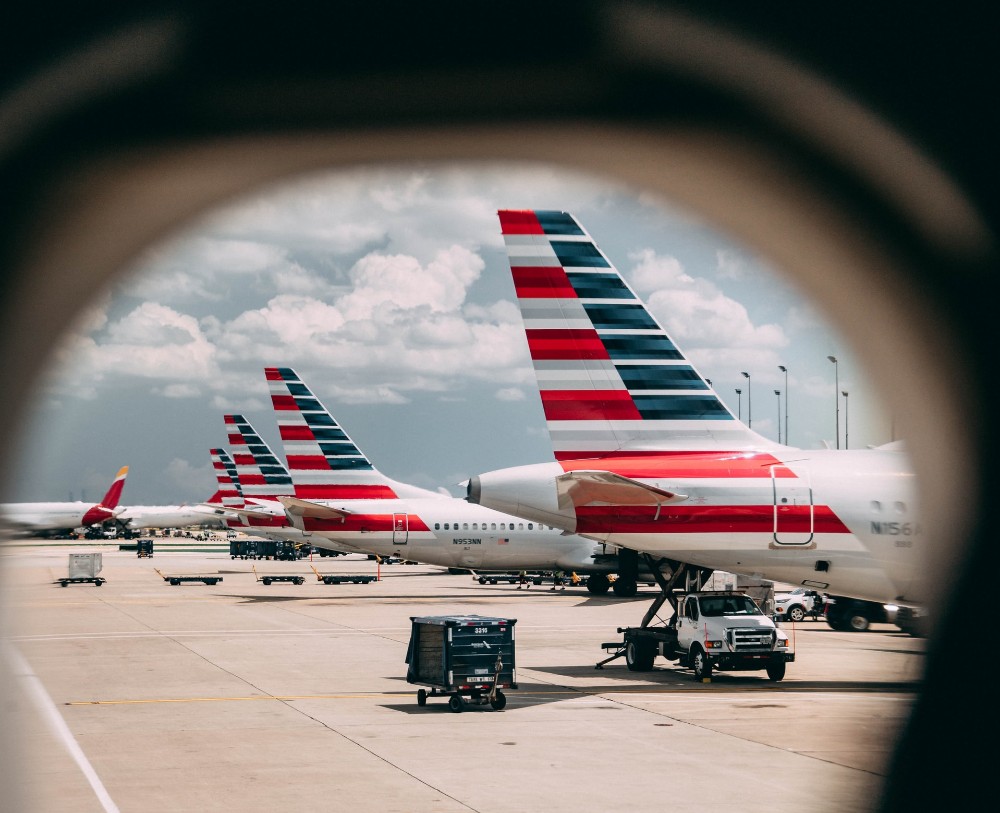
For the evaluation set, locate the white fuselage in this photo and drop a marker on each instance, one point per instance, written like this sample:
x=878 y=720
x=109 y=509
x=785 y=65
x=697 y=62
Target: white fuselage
x=168 y=516
x=44 y=516
x=446 y=531
x=843 y=522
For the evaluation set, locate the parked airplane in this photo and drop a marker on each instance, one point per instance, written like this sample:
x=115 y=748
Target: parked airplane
x=47 y=518
x=649 y=458
x=341 y=496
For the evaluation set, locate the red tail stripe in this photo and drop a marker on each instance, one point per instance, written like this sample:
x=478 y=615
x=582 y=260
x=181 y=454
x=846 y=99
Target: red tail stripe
x=519 y=222
x=273 y=374
x=284 y=402
x=296 y=432
x=532 y=282
x=307 y=463
x=589 y=405
x=565 y=344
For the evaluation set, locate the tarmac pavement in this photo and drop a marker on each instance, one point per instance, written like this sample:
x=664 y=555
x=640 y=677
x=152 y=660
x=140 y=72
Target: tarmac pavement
x=241 y=696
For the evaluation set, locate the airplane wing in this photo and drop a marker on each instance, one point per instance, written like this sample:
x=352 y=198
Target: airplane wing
x=578 y=488
x=304 y=508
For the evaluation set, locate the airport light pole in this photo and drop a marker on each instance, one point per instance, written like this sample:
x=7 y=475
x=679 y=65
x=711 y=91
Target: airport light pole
x=847 y=416
x=739 y=403
x=749 y=402
x=836 y=390
x=778 y=393
x=784 y=369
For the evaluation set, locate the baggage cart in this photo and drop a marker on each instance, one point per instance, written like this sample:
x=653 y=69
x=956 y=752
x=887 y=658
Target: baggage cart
x=177 y=578
x=343 y=578
x=84 y=568
x=466 y=658
x=273 y=577
x=144 y=548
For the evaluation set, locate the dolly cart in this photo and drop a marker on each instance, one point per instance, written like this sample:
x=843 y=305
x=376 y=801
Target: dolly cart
x=177 y=578
x=83 y=568
x=273 y=577
x=343 y=578
x=466 y=658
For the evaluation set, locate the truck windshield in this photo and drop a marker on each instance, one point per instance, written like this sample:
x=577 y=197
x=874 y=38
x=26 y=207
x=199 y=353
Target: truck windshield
x=714 y=606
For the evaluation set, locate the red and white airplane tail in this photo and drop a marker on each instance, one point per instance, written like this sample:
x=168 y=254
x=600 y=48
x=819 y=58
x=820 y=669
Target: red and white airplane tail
x=229 y=494
x=259 y=472
x=324 y=463
x=107 y=508
x=612 y=381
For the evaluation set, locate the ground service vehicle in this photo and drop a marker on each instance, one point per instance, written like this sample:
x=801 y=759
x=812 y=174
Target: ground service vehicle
x=798 y=603
x=710 y=630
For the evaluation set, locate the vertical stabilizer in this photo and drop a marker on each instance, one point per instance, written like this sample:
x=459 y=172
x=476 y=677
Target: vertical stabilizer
x=323 y=461
x=229 y=493
x=258 y=471
x=612 y=382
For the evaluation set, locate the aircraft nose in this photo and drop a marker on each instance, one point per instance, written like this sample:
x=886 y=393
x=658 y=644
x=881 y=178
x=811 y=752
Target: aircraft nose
x=473 y=490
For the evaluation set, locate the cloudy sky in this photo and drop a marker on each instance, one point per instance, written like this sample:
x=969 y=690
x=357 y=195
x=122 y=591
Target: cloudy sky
x=388 y=291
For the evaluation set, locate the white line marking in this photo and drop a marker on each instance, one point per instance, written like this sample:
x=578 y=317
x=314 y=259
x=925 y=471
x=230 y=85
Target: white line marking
x=36 y=692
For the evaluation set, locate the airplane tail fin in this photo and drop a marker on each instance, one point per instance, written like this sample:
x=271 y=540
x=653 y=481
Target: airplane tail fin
x=106 y=508
x=260 y=474
x=323 y=461
x=612 y=382
x=110 y=500
x=229 y=494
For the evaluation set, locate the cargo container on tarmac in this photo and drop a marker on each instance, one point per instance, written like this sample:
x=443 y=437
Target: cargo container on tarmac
x=462 y=656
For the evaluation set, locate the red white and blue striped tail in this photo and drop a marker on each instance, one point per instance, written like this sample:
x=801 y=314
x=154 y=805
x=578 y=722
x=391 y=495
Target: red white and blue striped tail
x=324 y=463
x=229 y=493
x=259 y=472
x=612 y=381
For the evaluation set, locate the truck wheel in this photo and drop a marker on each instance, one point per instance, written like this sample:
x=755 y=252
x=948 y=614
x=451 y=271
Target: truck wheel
x=598 y=584
x=421 y=697
x=776 y=669
x=499 y=701
x=639 y=656
x=625 y=588
x=858 y=622
x=455 y=703
x=700 y=663
x=796 y=613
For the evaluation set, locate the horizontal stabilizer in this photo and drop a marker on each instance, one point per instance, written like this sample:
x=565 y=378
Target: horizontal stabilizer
x=578 y=488
x=304 y=508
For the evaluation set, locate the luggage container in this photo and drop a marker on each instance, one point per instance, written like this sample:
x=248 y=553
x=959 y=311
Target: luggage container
x=84 y=567
x=467 y=658
x=144 y=548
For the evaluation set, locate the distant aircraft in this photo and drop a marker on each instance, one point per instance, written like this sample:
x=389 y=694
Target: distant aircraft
x=131 y=518
x=649 y=458
x=342 y=497
x=47 y=518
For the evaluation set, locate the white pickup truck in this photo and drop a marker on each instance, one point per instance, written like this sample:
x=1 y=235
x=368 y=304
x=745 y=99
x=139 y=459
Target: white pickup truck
x=711 y=630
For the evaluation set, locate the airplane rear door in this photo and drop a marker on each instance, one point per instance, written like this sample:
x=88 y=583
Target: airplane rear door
x=793 y=507
x=400 y=529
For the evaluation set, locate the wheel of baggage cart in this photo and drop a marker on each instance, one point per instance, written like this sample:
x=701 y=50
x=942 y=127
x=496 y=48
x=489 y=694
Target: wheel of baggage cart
x=211 y=581
x=499 y=700
x=299 y=580
x=175 y=581
x=455 y=703
x=421 y=697
x=482 y=580
x=63 y=582
x=98 y=582
x=266 y=581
